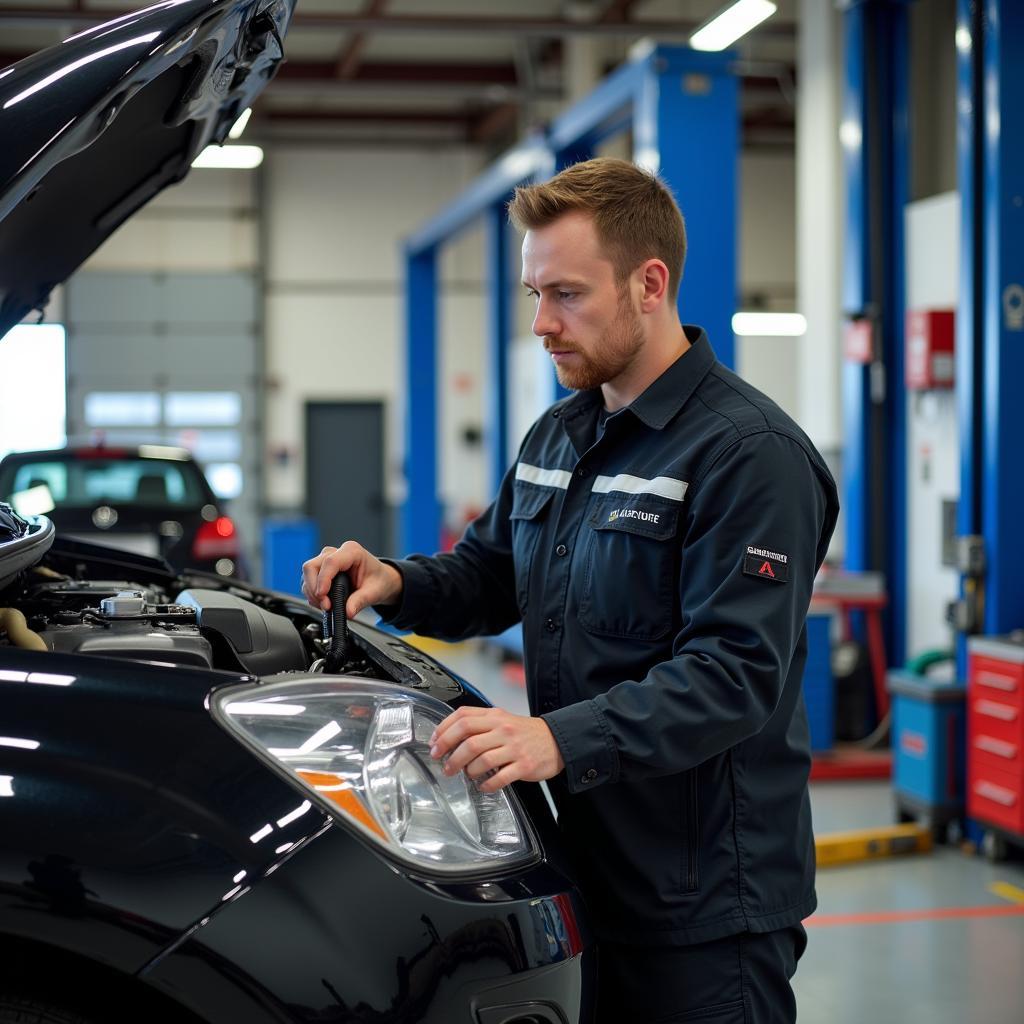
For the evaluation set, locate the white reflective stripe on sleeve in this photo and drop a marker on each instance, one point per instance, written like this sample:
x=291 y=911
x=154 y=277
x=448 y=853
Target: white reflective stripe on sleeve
x=663 y=486
x=545 y=477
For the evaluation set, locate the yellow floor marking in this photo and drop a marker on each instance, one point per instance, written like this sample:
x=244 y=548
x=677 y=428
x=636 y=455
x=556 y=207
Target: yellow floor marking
x=871 y=843
x=1013 y=893
x=429 y=645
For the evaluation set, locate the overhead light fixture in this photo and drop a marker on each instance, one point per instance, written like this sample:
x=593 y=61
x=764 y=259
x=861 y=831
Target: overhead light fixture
x=730 y=24
x=769 y=325
x=238 y=158
x=239 y=126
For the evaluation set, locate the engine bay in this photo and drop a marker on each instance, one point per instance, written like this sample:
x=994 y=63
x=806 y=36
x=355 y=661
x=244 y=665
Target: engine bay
x=68 y=596
x=198 y=627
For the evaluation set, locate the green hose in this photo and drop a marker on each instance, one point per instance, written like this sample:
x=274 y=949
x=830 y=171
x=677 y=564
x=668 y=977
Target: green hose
x=920 y=663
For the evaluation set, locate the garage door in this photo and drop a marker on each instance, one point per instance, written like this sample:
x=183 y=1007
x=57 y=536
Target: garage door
x=172 y=359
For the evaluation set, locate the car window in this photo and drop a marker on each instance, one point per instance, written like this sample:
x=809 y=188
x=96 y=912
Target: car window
x=85 y=483
x=53 y=474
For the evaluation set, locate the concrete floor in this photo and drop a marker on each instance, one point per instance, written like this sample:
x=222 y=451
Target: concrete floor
x=936 y=938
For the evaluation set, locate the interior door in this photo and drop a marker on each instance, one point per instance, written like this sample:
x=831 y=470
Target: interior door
x=345 y=473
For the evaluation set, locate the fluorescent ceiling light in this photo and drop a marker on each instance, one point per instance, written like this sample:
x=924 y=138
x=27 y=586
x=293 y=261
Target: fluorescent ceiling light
x=769 y=325
x=239 y=126
x=729 y=25
x=240 y=158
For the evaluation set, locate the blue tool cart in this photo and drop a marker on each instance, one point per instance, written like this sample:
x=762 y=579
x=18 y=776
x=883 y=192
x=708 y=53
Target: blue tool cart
x=929 y=741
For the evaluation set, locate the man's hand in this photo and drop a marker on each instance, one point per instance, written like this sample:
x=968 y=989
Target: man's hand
x=481 y=740
x=373 y=582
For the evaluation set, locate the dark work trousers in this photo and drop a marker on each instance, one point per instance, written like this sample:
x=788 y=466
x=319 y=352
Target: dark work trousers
x=741 y=979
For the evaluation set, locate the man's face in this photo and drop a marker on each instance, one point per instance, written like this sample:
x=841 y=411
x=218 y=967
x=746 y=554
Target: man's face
x=587 y=321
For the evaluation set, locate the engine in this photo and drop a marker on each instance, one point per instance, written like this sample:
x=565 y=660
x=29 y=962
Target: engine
x=198 y=627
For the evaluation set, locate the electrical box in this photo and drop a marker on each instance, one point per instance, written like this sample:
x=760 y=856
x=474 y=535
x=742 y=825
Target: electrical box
x=858 y=341
x=929 y=353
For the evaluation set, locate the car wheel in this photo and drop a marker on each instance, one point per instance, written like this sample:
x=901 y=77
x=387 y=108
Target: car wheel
x=16 y=1009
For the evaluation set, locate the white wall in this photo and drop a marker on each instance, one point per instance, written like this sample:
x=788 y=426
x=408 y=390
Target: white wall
x=335 y=302
x=207 y=222
x=767 y=270
x=933 y=442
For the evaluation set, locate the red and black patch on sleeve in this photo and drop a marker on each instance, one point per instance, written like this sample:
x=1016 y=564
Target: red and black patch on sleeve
x=766 y=564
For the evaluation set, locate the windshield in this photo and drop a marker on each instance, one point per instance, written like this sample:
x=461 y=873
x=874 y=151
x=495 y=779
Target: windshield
x=88 y=482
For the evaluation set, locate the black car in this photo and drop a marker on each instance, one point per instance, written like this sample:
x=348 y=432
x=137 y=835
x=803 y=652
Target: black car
x=208 y=811
x=150 y=499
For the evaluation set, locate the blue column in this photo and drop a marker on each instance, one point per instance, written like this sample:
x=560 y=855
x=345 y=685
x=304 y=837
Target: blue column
x=686 y=124
x=970 y=310
x=1003 y=407
x=499 y=283
x=876 y=153
x=421 y=511
x=856 y=410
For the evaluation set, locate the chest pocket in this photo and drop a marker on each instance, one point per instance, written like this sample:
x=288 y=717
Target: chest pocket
x=629 y=576
x=529 y=510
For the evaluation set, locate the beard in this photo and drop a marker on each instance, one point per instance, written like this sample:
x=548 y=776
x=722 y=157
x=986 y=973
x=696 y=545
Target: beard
x=616 y=348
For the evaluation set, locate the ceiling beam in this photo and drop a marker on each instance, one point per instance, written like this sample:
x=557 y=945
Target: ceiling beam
x=352 y=52
x=411 y=23
x=618 y=11
x=404 y=73
x=381 y=116
x=486 y=122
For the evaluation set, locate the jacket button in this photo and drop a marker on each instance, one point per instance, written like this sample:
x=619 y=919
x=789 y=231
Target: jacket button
x=589 y=775
x=581 y=472
x=551 y=625
x=561 y=550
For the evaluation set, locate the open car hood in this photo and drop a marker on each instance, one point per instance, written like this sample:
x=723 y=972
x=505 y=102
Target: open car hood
x=92 y=129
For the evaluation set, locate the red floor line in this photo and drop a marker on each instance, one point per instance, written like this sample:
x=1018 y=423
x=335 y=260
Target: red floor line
x=896 y=916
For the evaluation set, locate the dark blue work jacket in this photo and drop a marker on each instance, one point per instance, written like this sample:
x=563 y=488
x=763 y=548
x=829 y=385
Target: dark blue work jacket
x=662 y=573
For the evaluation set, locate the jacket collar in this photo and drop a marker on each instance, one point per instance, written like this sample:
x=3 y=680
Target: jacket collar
x=663 y=399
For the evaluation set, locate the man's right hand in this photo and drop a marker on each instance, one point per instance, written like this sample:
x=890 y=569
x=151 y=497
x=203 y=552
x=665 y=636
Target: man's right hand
x=373 y=582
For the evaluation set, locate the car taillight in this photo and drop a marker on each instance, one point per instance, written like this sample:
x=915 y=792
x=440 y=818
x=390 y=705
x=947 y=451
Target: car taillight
x=217 y=539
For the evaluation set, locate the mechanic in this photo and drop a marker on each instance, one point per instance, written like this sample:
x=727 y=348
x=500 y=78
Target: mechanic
x=658 y=537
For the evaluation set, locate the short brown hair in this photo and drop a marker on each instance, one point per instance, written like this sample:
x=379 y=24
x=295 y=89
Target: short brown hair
x=635 y=215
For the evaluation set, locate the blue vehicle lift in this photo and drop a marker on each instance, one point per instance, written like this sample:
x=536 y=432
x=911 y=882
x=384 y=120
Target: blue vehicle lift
x=990 y=319
x=876 y=147
x=682 y=106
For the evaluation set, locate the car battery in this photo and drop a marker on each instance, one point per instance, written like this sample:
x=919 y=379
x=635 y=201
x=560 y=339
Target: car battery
x=928 y=746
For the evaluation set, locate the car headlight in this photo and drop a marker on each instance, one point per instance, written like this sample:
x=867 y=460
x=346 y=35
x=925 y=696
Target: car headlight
x=362 y=748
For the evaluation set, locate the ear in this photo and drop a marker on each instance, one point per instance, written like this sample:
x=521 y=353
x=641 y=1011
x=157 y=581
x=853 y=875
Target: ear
x=652 y=284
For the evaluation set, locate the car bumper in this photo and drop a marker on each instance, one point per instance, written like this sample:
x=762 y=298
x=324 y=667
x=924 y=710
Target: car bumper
x=337 y=933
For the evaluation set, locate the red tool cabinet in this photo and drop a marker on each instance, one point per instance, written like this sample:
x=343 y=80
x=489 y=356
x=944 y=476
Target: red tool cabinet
x=995 y=734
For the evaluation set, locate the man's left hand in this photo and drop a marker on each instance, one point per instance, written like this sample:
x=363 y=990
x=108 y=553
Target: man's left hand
x=482 y=740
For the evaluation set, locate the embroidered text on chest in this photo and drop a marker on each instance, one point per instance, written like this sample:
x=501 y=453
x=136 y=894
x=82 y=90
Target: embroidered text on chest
x=633 y=513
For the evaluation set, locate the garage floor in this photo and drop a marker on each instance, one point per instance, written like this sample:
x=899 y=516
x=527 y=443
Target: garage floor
x=930 y=939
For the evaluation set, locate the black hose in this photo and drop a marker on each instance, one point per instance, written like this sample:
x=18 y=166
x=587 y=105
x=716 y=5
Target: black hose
x=335 y=624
